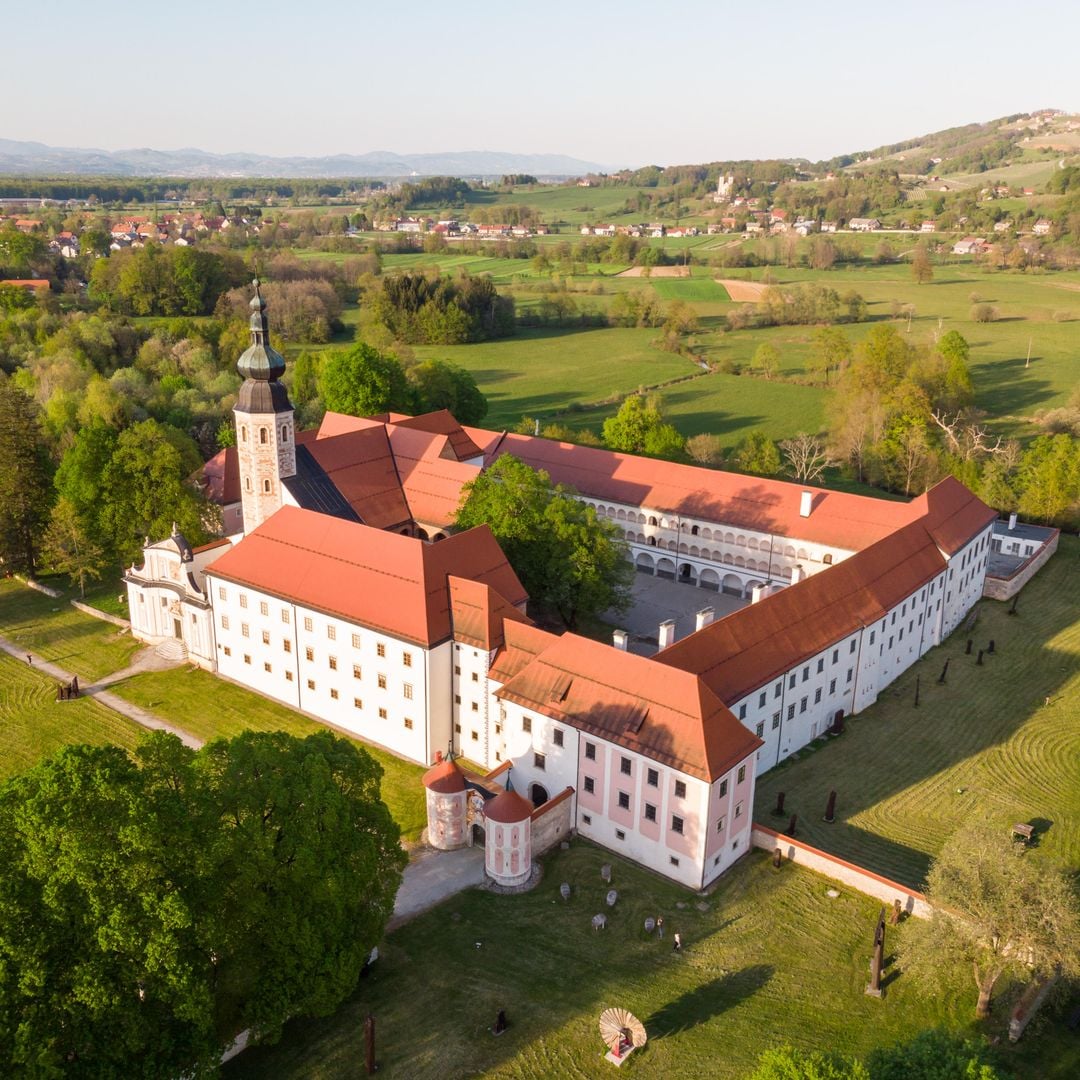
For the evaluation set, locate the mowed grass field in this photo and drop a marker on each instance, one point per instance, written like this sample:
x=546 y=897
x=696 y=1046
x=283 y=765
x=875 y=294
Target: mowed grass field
x=768 y=958
x=33 y=724
x=984 y=746
x=208 y=707
x=53 y=630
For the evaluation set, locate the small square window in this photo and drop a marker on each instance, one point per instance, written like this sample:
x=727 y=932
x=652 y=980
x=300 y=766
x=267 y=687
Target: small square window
x=676 y=823
x=526 y=723
x=624 y=800
x=586 y=819
x=331 y=633
x=266 y=637
x=475 y=737
x=245 y=630
x=624 y=766
x=285 y=616
x=228 y=651
x=247 y=658
x=719 y=824
x=224 y=622
x=673 y=860
x=334 y=694
x=288 y=676
x=557 y=737
x=619 y=834
x=652 y=778
x=590 y=785
x=408 y=724
x=332 y=661
x=741 y=775
x=382 y=682
x=356 y=672
x=309 y=653
x=356 y=641
x=539 y=761
x=474 y=706
x=287 y=645
x=760 y=729
x=311 y=684
x=264 y=608
x=680 y=789
x=357 y=703
x=475 y=677
x=266 y=666
x=406 y=659
x=590 y=751
x=382 y=716
x=650 y=812
x=221 y=592
x=407 y=691
x=380 y=649
x=243 y=600
x=308 y=624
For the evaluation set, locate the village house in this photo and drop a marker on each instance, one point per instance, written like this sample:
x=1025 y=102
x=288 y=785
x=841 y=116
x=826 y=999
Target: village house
x=344 y=591
x=928 y=227
x=970 y=245
x=864 y=224
x=1042 y=227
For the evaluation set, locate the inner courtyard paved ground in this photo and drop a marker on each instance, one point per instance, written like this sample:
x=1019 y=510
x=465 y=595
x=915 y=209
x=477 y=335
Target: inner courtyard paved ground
x=657 y=599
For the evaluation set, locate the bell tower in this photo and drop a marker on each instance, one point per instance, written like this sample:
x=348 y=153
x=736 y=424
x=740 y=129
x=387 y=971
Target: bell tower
x=265 y=434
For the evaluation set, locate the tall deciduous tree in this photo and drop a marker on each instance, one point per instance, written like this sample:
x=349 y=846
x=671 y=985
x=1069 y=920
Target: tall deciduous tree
x=363 y=381
x=766 y=360
x=569 y=560
x=998 y=910
x=71 y=548
x=639 y=428
x=24 y=481
x=922 y=269
x=832 y=351
x=150 y=906
x=442 y=385
x=787 y=1063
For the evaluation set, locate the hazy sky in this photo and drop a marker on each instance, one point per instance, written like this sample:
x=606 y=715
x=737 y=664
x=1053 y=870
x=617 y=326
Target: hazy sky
x=620 y=82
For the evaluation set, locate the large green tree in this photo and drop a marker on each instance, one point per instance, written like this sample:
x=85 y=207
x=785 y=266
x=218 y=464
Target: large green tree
x=999 y=909
x=442 y=385
x=362 y=381
x=24 y=480
x=71 y=547
x=570 y=561
x=152 y=905
x=788 y=1063
x=932 y=1055
x=639 y=428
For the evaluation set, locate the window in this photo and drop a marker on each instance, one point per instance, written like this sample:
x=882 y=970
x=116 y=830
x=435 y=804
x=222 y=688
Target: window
x=334 y=694
x=673 y=860
x=526 y=723
x=832 y=686
x=775 y=720
x=802 y=705
x=408 y=725
x=759 y=730
x=586 y=819
x=791 y=712
x=849 y=673
x=288 y=676
x=406 y=690
x=356 y=641
x=380 y=649
x=356 y=671
x=287 y=645
x=742 y=711
x=624 y=800
x=331 y=633
x=475 y=707
x=475 y=677
x=624 y=766
x=243 y=432
x=311 y=684
x=284 y=432
x=650 y=812
x=357 y=703
x=791 y=681
x=652 y=778
x=309 y=653
x=742 y=774
x=619 y=834
x=557 y=737
x=806 y=673
x=474 y=736
x=873 y=634
x=817 y=695
x=266 y=637
x=247 y=658
x=457 y=727
x=243 y=600
x=723 y=788
x=228 y=651
x=821 y=665
x=308 y=623
x=590 y=751
x=382 y=716
x=778 y=689
x=382 y=682
x=851 y=647
x=247 y=483
x=332 y=661
x=221 y=593
x=224 y=622
x=680 y=789
x=719 y=824
x=676 y=823
x=264 y=436
x=761 y=700
x=406 y=659
x=835 y=656
x=539 y=762
x=590 y=785
x=245 y=630
x=738 y=810
x=457 y=669
x=266 y=666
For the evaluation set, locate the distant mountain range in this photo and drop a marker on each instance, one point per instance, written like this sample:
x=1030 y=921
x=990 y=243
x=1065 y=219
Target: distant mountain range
x=32 y=158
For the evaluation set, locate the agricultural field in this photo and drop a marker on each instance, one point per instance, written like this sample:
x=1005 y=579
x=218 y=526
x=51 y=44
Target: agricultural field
x=998 y=742
x=768 y=959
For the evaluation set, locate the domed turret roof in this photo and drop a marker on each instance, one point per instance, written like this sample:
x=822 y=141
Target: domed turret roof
x=444 y=777
x=259 y=361
x=508 y=808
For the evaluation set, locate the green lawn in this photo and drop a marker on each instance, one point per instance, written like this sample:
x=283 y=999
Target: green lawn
x=983 y=746
x=54 y=630
x=33 y=724
x=772 y=959
x=207 y=706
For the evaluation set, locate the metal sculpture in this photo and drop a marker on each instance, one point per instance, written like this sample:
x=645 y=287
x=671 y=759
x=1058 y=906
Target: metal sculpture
x=621 y=1031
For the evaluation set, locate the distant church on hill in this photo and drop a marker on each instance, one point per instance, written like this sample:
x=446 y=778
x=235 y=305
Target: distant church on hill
x=343 y=590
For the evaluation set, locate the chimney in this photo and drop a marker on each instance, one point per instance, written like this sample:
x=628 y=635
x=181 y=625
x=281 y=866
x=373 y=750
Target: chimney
x=797 y=574
x=703 y=618
x=620 y=639
x=759 y=592
x=806 y=503
x=667 y=633
x=1012 y=521
x=438 y=757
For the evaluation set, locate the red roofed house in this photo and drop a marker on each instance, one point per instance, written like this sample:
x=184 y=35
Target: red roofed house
x=345 y=592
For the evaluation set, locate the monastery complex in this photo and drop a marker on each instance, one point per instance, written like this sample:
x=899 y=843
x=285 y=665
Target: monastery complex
x=341 y=589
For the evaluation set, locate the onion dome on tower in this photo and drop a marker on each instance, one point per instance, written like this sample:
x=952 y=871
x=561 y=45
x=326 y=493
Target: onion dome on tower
x=260 y=365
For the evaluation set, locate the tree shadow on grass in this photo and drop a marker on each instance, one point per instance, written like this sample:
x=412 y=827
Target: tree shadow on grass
x=701 y=1004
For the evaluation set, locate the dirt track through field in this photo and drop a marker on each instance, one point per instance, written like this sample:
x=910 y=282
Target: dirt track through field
x=657 y=271
x=749 y=292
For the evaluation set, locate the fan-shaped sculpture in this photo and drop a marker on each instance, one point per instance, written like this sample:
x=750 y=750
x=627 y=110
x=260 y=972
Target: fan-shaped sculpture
x=612 y=896
x=621 y=1029
x=605 y=872
x=599 y=922
x=564 y=890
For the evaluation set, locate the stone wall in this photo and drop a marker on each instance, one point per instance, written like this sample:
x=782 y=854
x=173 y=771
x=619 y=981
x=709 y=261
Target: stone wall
x=1006 y=588
x=864 y=881
x=86 y=609
x=552 y=822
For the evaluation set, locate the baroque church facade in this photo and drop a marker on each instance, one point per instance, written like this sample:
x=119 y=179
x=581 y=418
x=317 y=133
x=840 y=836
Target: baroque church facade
x=342 y=590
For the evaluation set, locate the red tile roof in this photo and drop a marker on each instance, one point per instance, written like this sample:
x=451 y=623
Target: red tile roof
x=750 y=647
x=442 y=422
x=378 y=579
x=222 y=477
x=444 y=778
x=665 y=714
x=479 y=614
x=430 y=474
x=952 y=514
x=522 y=643
x=839 y=519
x=508 y=808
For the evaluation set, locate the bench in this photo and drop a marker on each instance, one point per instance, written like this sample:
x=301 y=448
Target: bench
x=1023 y=831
